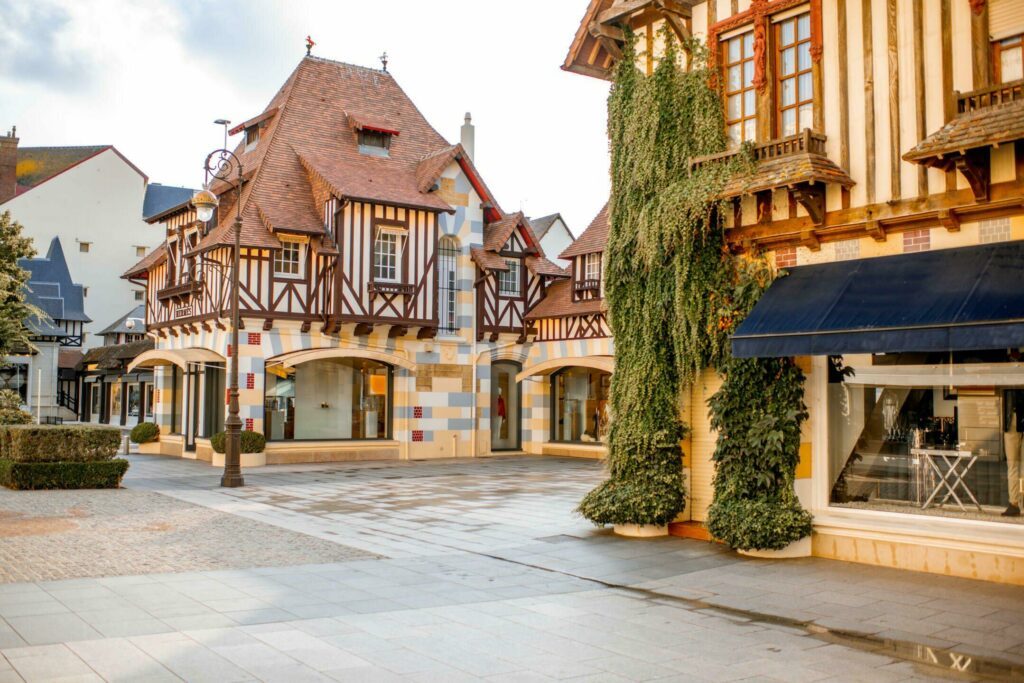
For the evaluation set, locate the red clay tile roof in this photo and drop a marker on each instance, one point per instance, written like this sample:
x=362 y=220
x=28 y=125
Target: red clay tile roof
x=496 y=234
x=311 y=136
x=542 y=266
x=788 y=170
x=979 y=128
x=153 y=258
x=593 y=239
x=370 y=121
x=488 y=260
x=430 y=168
x=69 y=358
x=259 y=118
x=558 y=303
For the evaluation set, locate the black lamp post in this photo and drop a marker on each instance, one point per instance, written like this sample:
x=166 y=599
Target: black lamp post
x=219 y=164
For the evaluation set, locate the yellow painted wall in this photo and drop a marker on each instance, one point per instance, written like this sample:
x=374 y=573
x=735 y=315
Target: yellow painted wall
x=702 y=441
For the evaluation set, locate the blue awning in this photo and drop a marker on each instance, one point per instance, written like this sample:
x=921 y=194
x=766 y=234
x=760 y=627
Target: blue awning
x=943 y=300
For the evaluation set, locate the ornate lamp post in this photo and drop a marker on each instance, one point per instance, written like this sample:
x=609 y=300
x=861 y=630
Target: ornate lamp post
x=219 y=165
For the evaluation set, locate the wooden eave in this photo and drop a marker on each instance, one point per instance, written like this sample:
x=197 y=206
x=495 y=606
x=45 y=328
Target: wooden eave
x=259 y=118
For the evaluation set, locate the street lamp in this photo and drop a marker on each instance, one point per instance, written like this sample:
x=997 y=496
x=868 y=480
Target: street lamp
x=219 y=166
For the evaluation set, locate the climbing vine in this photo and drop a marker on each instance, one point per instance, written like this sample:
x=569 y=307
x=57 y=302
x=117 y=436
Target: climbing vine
x=674 y=294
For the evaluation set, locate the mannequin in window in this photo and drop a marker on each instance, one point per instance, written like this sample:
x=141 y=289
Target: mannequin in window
x=1013 y=421
x=501 y=414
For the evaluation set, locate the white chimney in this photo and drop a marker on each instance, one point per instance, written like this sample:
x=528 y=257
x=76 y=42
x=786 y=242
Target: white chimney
x=469 y=137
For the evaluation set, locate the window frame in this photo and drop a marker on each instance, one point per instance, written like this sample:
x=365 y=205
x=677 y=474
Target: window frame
x=252 y=137
x=84 y=247
x=998 y=46
x=279 y=260
x=399 y=235
x=592 y=259
x=779 y=108
x=515 y=266
x=741 y=37
x=364 y=136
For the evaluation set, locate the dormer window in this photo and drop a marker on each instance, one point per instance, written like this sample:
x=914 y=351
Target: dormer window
x=252 y=137
x=374 y=142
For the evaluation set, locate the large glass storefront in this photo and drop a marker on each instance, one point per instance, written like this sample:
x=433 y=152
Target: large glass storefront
x=926 y=434
x=580 y=405
x=328 y=399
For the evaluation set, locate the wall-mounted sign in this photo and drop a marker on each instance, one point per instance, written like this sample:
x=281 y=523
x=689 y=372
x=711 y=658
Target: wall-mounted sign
x=183 y=311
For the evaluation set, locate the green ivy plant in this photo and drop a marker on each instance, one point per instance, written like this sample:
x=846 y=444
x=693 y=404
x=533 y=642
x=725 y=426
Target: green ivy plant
x=675 y=294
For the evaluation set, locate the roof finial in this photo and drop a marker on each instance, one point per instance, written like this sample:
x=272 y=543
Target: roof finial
x=384 y=61
x=309 y=45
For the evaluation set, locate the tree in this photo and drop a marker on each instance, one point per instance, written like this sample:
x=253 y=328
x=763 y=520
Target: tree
x=14 y=310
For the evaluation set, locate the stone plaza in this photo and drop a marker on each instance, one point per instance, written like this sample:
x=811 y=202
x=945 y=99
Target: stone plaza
x=446 y=571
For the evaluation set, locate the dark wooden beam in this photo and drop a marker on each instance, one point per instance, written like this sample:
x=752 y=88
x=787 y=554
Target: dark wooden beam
x=494 y=337
x=220 y=325
x=893 y=55
x=206 y=327
x=268 y=324
x=173 y=332
x=621 y=10
x=614 y=32
x=331 y=327
x=921 y=85
x=974 y=165
x=426 y=333
x=363 y=329
x=867 y=37
x=812 y=198
x=397 y=331
x=844 y=100
x=305 y=327
x=611 y=47
x=981 y=48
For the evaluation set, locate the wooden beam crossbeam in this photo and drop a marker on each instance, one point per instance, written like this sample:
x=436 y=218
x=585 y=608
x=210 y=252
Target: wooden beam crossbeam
x=974 y=166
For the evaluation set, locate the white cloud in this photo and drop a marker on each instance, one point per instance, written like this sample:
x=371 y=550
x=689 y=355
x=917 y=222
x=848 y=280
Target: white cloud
x=150 y=77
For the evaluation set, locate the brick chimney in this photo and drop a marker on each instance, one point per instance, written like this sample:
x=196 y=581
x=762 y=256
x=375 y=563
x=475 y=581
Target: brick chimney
x=8 y=165
x=469 y=137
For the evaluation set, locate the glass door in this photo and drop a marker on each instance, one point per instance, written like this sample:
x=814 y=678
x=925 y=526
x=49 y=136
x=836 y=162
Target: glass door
x=505 y=424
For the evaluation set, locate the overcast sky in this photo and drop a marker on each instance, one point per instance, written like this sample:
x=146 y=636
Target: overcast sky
x=150 y=77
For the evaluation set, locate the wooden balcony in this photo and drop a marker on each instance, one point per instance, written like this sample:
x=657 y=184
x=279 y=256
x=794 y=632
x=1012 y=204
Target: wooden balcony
x=390 y=288
x=808 y=142
x=587 y=285
x=181 y=291
x=991 y=96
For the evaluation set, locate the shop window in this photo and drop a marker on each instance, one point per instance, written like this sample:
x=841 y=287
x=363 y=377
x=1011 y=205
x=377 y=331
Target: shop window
x=928 y=438
x=505 y=407
x=177 y=381
x=740 y=95
x=134 y=396
x=794 y=83
x=95 y=401
x=115 y=404
x=510 y=281
x=288 y=259
x=580 y=405
x=1008 y=59
x=149 y=400
x=329 y=399
x=387 y=254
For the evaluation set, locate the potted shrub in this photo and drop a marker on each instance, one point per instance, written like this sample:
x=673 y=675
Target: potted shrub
x=251 y=455
x=147 y=436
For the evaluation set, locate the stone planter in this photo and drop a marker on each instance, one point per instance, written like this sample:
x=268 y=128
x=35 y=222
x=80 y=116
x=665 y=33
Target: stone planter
x=149 y=448
x=801 y=548
x=641 y=530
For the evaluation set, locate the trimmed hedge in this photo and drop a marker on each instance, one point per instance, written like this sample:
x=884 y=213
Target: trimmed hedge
x=15 y=416
x=145 y=432
x=252 y=442
x=58 y=443
x=103 y=474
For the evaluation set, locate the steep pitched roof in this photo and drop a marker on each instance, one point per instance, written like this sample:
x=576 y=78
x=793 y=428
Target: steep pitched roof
x=311 y=140
x=119 y=326
x=51 y=289
x=114 y=356
x=496 y=234
x=543 y=224
x=539 y=265
x=159 y=198
x=593 y=239
x=153 y=258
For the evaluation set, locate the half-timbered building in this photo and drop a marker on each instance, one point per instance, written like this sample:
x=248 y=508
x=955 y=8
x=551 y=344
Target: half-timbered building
x=889 y=181
x=379 y=281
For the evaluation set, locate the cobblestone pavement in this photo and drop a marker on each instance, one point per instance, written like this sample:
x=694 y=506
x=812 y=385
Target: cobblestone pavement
x=489 y=576
x=48 y=535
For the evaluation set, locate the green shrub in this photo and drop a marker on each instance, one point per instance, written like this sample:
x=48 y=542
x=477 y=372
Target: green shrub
x=10 y=399
x=58 y=443
x=759 y=524
x=252 y=442
x=105 y=474
x=144 y=433
x=14 y=417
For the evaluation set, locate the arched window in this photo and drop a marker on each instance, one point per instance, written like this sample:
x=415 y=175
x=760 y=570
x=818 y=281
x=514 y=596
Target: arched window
x=448 y=284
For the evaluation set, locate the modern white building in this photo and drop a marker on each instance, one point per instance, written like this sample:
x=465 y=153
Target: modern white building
x=94 y=200
x=554 y=236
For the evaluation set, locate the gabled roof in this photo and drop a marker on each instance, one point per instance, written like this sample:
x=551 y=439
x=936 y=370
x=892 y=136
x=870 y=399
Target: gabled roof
x=36 y=165
x=114 y=356
x=496 y=234
x=160 y=198
x=558 y=303
x=311 y=141
x=593 y=239
x=119 y=326
x=543 y=224
x=51 y=289
x=538 y=265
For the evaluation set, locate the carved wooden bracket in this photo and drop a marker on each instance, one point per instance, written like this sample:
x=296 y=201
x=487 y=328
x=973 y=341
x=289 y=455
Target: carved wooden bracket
x=426 y=333
x=876 y=230
x=363 y=329
x=305 y=327
x=331 y=327
x=809 y=239
x=268 y=324
x=206 y=327
x=974 y=165
x=397 y=331
x=220 y=326
x=493 y=338
x=173 y=332
x=949 y=220
x=812 y=198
